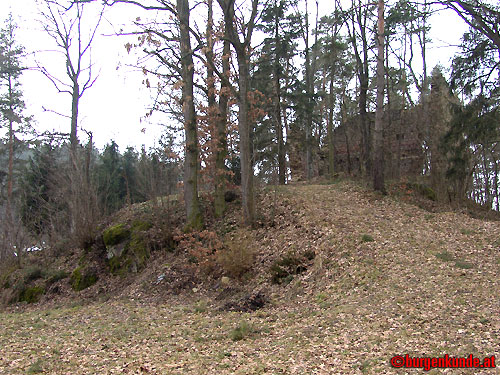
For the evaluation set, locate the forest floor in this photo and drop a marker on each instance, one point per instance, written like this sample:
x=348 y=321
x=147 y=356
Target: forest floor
x=388 y=278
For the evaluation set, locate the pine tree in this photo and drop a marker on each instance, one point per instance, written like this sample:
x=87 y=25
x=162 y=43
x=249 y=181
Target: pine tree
x=11 y=103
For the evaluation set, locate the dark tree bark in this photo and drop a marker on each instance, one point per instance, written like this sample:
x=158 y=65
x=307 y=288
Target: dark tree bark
x=194 y=218
x=359 y=16
x=244 y=121
x=378 y=165
x=277 y=114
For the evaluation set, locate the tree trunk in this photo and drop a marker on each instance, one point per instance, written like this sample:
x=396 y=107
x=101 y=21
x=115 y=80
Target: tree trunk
x=277 y=115
x=221 y=153
x=244 y=121
x=245 y=143
x=329 y=130
x=309 y=109
x=378 y=165
x=191 y=164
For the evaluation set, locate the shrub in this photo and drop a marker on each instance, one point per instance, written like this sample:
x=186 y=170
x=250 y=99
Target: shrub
x=31 y=295
x=237 y=257
x=201 y=247
x=32 y=273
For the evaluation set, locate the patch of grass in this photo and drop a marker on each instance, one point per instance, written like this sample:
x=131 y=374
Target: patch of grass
x=466 y=231
x=463 y=265
x=242 y=331
x=367 y=238
x=446 y=256
x=35 y=367
x=428 y=216
x=321 y=297
x=200 y=307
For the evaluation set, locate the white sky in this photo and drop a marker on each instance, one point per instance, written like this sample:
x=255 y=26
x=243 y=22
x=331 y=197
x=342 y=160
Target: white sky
x=114 y=107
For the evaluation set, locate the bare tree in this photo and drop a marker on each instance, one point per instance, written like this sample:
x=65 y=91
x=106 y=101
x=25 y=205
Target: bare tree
x=63 y=21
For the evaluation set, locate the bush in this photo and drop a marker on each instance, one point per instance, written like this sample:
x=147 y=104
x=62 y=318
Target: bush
x=32 y=294
x=32 y=274
x=237 y=257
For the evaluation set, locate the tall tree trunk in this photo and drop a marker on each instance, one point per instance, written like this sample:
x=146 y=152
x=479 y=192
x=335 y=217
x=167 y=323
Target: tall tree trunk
x=221 y=153
x=217 y=117
x=309 y=109
x=329 y=130
x=10 y=177
x=378 y=165
x=362 y=68
x=73 y=136
x=244 y=122
x=191 y=165
x=277 y=114
x=245 y=142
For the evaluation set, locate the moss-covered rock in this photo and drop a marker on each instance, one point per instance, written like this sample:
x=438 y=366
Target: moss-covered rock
x=115 y=235
x=31 y=294
x=127 y=247
x=83 y=277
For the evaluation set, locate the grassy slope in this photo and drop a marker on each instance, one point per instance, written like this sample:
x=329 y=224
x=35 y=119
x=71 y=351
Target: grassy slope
x=427 y=285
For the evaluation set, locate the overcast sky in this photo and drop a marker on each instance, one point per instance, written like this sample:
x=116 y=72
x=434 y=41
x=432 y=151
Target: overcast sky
x=115 y=106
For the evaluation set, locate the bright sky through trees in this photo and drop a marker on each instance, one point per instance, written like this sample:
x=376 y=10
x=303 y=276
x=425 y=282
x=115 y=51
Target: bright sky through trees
x=115 y=107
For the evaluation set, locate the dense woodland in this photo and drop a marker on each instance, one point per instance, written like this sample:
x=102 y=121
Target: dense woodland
x=265 y=93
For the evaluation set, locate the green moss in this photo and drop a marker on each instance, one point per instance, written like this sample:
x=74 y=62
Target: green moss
x=82 y=278
x=140 y=226
x=194 y=223
x=135 y=252
x=32 y=294
x=115 y=234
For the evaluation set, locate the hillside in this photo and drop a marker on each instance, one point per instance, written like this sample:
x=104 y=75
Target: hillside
x=358 y=278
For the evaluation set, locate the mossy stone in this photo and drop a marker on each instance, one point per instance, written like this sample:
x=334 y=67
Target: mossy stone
x=31 y=294
x=115 y=234
x=82 y=278
x=134 y=252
